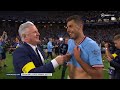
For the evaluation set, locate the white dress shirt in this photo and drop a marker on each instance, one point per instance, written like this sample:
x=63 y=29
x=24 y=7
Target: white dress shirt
x=54 y=62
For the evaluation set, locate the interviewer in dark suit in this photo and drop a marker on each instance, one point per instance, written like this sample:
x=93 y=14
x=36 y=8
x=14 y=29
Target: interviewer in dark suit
x=26 y=59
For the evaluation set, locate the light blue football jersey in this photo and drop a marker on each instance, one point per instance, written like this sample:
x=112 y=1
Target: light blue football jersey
x=90 y=52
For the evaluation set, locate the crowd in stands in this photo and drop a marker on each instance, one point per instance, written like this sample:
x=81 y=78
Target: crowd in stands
x=55 y=30
x=52 y=16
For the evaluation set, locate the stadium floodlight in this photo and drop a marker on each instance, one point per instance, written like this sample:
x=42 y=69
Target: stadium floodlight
x=3 y=20
x=61 y=39
x=9 y=20
x=113 y=18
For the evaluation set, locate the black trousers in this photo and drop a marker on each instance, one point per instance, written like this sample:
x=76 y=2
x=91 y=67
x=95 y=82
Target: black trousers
x=49 y=54
x=116 y=75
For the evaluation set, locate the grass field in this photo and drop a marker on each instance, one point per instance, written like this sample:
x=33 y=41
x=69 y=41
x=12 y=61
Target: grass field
x=4 y=73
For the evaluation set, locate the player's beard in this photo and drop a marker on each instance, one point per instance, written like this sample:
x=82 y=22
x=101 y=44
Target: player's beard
x=74 y=35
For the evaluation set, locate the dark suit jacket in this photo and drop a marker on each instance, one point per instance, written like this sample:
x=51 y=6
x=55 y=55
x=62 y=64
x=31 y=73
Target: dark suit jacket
x=25 y=54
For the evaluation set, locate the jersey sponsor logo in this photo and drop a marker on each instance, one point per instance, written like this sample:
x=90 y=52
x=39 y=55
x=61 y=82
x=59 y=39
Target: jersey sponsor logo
x=96 y=52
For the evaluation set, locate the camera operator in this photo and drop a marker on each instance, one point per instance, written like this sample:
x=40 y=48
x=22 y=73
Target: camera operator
x=63 y=51
x=113 y=56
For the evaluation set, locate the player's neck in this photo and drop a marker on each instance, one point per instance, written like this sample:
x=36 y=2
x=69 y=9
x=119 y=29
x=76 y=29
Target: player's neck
x=79 y=40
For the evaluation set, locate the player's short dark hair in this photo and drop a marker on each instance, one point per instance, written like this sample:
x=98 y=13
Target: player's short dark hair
x=76 y=18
